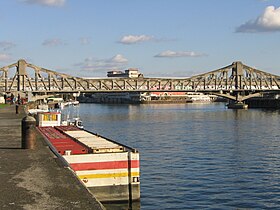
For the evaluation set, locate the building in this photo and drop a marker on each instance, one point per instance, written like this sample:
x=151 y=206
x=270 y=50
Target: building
x=129 y=73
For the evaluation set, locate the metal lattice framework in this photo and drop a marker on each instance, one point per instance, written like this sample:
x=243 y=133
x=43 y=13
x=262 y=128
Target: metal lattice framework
x=236 y=82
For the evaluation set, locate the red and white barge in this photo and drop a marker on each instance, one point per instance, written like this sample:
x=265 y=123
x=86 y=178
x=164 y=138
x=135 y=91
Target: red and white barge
x=110 y=170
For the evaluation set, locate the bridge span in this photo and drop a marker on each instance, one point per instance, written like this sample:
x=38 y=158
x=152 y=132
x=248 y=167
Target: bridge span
x=236 y=82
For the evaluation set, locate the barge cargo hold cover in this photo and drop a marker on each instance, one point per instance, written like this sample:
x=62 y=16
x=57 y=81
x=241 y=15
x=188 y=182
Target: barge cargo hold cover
x=107 y=168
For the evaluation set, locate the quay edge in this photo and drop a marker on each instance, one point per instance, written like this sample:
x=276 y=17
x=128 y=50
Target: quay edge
x=29 y=178
x=268 y=103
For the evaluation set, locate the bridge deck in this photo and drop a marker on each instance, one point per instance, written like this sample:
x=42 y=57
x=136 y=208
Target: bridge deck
x=236 y=82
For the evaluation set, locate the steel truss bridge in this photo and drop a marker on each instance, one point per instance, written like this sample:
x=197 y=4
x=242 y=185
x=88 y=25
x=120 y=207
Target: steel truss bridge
x=236 y=81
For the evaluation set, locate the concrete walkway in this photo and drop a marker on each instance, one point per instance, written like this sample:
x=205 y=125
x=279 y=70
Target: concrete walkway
x=34 y=179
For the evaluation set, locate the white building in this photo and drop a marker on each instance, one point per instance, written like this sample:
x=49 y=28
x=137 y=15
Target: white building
x=129 y=73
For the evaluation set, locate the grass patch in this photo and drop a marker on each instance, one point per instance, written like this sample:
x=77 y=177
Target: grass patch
x=3 y=105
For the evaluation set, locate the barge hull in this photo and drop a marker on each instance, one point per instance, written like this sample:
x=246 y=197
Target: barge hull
x=109 y=176
x=116 y=193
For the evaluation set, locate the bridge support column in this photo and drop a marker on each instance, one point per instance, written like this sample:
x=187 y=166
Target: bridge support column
x=237 y=105
x=237 y=72
x=21 y=74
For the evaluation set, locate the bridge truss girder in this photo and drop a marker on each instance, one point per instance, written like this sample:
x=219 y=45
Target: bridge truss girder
x=236 y=82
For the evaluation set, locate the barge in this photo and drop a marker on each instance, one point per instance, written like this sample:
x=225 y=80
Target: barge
x=110 y=170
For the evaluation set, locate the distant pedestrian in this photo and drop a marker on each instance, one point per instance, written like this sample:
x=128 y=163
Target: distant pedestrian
x=19 y=99
x=12 y=98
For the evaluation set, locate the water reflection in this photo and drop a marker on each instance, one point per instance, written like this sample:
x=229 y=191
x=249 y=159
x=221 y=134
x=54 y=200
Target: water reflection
x=197 y=156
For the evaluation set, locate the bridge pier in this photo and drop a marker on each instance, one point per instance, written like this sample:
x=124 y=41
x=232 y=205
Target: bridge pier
x=237 y=105
x=21 y=74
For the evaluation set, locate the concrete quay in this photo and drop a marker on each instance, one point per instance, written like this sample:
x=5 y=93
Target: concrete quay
x=35 y=179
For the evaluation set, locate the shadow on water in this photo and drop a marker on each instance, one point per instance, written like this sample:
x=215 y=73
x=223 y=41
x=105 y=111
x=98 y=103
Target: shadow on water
x=122 y=206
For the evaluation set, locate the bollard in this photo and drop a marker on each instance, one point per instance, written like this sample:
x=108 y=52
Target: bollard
x=28 y=133
x=17 y=108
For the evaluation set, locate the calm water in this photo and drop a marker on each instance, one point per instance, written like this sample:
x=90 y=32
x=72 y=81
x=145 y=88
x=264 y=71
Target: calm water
x=197 y=156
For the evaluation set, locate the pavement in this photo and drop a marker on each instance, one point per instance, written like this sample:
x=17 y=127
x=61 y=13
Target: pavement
x=35 y=179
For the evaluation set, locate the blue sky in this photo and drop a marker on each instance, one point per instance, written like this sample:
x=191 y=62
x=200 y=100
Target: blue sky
x=160 y=37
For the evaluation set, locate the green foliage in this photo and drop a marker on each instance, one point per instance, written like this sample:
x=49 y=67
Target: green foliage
x=3 y=105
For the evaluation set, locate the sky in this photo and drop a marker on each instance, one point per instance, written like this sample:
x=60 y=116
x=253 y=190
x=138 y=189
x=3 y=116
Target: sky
x=162 y=38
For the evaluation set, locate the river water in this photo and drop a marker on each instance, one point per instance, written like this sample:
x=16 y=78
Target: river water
x=197 y=156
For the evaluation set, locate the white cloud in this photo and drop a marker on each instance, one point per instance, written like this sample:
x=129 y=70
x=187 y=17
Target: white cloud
x=173 y=54
x=115 y=63
x=49 y=3
x=4 y=57
x=5 y=45
x=133 y=39
x=119 y=59
x=85 y=40
x=53 y=42
x=266 y=22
